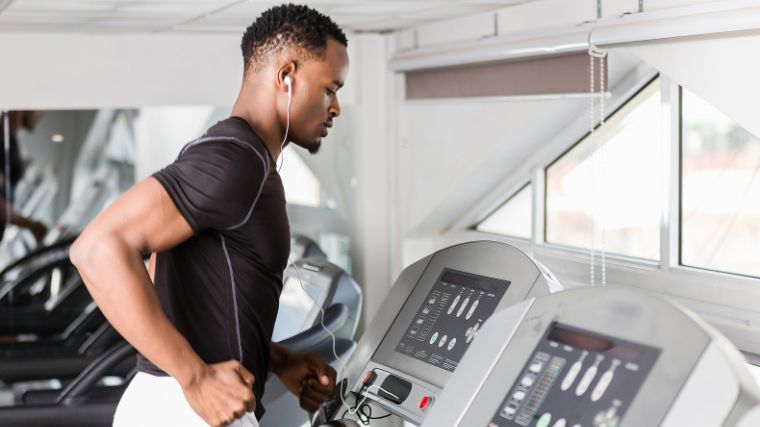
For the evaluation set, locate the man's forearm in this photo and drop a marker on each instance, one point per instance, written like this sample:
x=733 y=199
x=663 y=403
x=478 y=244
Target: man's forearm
x=278 y=356
x=119 y=283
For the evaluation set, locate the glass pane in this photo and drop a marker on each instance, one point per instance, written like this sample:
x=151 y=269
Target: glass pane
x=720 y=190
x=513 y=218
x=301 y=186
x=611 y=178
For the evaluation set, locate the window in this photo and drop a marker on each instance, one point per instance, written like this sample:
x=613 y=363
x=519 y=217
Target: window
x=611 y=182
x=720 y=190
x=513 y=217
x=301 y=186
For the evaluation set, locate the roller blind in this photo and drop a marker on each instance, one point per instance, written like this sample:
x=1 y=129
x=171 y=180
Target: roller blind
x=566 y=74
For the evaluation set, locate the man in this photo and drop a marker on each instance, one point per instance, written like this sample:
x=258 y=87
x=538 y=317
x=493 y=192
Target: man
x=37 y=229
x=216 y=224
x=17 y=120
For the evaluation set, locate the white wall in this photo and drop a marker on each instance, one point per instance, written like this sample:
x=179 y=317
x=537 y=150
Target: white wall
x=161 y=132
x=79 y=71
x=65 y=71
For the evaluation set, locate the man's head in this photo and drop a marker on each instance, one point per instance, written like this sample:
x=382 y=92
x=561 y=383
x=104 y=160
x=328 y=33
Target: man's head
x=307 y=46
x=29 y=119
x=26 y=120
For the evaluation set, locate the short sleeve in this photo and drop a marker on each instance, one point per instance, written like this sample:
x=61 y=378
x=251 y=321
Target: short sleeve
x=215 y=184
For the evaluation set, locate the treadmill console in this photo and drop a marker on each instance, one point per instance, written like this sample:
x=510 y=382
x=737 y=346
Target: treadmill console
x=450 y=317
x=432 y=316
x=576 y=378
x=598 y=357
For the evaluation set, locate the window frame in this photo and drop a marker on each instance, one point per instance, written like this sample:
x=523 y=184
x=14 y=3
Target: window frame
x=726 y=300
x=511 y=195
x=599 y=137
x=679 y=221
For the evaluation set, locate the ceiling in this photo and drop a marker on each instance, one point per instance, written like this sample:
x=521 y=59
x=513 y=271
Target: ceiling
x=203 y=16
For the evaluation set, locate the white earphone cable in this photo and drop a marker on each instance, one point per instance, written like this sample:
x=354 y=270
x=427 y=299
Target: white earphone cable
x=289 y=82
x=340 y=363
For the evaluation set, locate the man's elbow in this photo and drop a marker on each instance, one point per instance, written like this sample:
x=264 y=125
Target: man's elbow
x=81 y=253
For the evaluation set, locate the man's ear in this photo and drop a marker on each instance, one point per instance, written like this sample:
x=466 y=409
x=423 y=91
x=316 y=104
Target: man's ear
x=286 y=70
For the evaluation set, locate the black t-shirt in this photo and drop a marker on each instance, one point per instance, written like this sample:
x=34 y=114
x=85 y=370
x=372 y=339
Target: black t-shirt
x=221 y=287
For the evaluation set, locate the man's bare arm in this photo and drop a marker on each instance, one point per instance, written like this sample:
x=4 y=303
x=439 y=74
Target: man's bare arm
x=305 y=375
x=109 y=257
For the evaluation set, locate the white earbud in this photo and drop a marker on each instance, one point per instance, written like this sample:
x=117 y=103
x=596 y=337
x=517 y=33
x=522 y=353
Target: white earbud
x=288 y=81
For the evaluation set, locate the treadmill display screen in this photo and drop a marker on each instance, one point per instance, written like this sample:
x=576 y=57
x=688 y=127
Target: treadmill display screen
x=450 y=317
x=575 y=377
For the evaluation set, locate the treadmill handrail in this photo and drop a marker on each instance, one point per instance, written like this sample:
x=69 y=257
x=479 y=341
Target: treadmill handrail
x=104 y=333
x=93 y=372
x=37 y=252
x=29 y=278
x=90 y=314
x=335 y=317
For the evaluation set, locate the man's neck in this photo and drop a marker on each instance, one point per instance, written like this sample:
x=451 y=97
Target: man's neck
x=261 y=116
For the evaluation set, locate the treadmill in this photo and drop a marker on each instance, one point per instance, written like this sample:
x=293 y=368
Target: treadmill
x=54 y=330
x=431 y=316
x=599 y=357
x=41 y=294
x=88 y=400
x=299 y=327
x=62 y=356
x=302 y=246
x=49 y=325
x=45 y=263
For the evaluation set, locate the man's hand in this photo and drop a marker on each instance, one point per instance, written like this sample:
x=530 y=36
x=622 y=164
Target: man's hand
x=221 y=393
x=307 y=376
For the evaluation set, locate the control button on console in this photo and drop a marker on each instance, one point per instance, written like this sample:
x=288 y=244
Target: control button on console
x=425 y=402
x=452 y=343
x=544 y=420
x=611 y=412
x=434 y=338
x=526 y=381
x=509 y=411
x=586 y=380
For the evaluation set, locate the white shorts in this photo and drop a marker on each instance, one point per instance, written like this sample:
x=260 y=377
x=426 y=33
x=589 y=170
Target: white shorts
x=151 y=401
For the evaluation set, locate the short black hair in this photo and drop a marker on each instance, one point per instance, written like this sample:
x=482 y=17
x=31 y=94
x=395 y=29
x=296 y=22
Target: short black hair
x=288 y=24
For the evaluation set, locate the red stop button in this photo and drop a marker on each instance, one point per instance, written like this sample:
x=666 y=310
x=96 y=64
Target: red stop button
x=424 y=402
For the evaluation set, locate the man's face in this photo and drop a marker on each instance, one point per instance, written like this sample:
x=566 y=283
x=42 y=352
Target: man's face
x=315 y=100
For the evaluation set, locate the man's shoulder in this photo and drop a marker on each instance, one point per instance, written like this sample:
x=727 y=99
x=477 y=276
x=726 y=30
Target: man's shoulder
x=234 y=129
x=227 y=141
